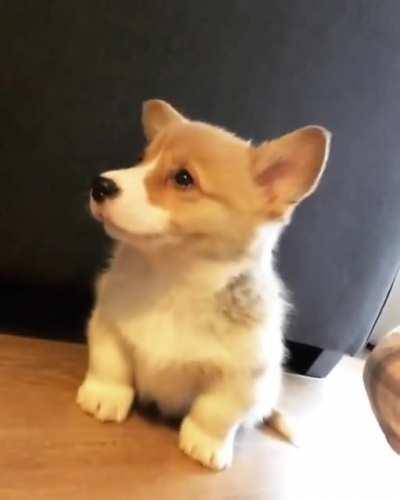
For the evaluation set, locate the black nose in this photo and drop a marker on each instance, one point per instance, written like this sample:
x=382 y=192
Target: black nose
x=103 y=188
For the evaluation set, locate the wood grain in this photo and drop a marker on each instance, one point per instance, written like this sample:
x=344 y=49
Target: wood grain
x=49 y=449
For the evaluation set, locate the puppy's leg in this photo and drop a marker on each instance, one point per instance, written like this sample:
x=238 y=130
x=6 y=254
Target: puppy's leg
x=107 y=390
x=207 y=433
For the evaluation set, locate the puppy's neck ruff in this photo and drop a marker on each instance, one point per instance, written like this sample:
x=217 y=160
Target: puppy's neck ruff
x=179 y=267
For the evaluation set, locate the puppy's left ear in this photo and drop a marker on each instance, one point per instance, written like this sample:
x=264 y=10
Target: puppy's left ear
x=289 y=168
x=156 y=115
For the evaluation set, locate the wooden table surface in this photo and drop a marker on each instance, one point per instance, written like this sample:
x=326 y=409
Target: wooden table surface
x=49 y=449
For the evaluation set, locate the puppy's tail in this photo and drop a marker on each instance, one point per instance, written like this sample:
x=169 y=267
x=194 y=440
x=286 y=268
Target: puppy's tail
x=284 y=425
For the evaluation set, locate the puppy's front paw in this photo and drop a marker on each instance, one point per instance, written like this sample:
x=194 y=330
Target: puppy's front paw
x=106 y=401
x=208 y=450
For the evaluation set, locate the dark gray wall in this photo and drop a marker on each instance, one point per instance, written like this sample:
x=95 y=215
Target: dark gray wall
x=72 y=81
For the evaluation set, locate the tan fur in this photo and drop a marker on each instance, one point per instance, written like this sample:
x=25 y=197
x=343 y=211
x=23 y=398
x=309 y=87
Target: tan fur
x=225 y=189
x=190 y=312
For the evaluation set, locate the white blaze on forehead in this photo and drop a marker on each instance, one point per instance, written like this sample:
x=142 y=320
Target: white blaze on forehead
x=132 y=210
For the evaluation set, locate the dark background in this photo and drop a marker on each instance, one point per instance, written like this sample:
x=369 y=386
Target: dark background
x=73 y=76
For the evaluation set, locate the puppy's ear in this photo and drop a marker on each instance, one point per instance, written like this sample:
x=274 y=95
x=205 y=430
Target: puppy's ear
x=289 y=168
x=156 y=115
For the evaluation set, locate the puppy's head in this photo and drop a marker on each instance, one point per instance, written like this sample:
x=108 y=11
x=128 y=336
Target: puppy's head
x=203 y=187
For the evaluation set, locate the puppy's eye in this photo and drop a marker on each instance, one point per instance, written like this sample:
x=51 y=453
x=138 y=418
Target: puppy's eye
x=183 y=179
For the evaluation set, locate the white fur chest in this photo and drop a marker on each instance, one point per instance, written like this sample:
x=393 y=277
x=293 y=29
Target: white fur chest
x=178 y=337
x=177 y=346
x=174 y=350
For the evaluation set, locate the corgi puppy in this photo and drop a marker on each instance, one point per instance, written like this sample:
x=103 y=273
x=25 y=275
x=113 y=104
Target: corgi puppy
x=190 y=312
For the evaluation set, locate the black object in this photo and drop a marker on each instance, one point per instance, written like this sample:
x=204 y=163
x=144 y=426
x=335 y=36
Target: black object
x=74 y=75
x=103 y=188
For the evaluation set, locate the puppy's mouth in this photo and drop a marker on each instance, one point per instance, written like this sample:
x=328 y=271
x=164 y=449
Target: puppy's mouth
x=119 y=233
x=141 y=240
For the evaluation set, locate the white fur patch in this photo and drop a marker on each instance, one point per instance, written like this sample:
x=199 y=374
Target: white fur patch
x=131 y=211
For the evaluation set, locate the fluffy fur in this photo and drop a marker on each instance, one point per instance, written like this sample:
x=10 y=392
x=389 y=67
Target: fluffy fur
x=190 y=312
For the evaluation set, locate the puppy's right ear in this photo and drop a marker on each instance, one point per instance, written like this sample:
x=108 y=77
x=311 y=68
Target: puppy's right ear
x=156 y=115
